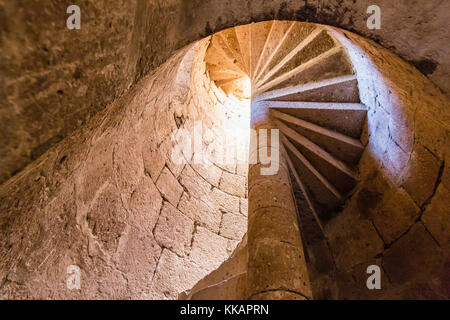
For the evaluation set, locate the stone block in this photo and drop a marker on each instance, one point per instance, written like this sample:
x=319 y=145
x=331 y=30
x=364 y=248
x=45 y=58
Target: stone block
x=173 y=276
x=209 y=250
x=206 y=214
x=208 y=171
x=395 y=215
x=421 y=174
x=145 y=205
x=268 y=274
x=154 y=162
x=225 y=201
x=128 y=165
x=195 y=185
x=107 y=218
x=169 y=187
x=414 y=257
x=233 y=184
x=353 y=240
x=174 y=230
x=436 y=216
x=243 y=207
x=233 y=226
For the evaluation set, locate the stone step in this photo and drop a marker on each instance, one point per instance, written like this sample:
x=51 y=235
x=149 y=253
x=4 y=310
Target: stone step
x=285 y=56
x=223 y=75
x=339 y=145
x=346 y=118
x=243 y=37
x=325 y=67
x=305 y=193
x=320 y=47
x=336 y=171
x=259 y=34
x=285 y=73
x=232 y=45
x=278 y=33
x=339 y=89
x=284 y=45
x=323 y=193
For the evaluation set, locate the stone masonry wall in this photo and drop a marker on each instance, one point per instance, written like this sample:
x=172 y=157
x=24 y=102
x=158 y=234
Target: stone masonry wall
x=110 y=200
x=398 y=216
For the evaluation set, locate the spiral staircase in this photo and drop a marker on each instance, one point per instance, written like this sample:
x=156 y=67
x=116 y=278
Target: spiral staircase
x=304 y=77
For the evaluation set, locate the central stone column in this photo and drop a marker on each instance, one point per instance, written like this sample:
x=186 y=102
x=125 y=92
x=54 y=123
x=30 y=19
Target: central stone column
x=276 y=261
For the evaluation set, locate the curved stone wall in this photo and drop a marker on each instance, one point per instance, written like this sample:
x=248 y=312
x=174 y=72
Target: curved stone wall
x=112 y=200
x=397 y=217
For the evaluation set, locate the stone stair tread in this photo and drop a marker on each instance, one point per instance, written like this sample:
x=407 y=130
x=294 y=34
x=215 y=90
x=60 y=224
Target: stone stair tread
x=325 y=67
x=293 y=58
x=278 y=33
x=346 y=118
x=223 y=75
x=282 y=75
x=290 y=147
x=294 y=93
x=259 y=33
x=243 y=37
x=341 y=146
x=292 y=134
x=305 y=193
x=232 y=44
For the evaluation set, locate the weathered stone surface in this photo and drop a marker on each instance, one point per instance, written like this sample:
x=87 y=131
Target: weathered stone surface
x=231 y=289
x=174 y=230
x=145 y=205
x=209 y=249
x=154 y=162
x=225 y=201
x=128 y=168
x=233 y=184
x=288 y=272
x=233 y=226
x=174 y=275
x=270 y=194
x=97 y=206
x=414 y=257
x=421 y=175
x=436 y=217
x=169 y=186
x=353 y=240
x=209 y=172
x=107 y=218
x=196 y=185
x=99 y=168
x=396 y=215
x=139 y=243
x=244 y=206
